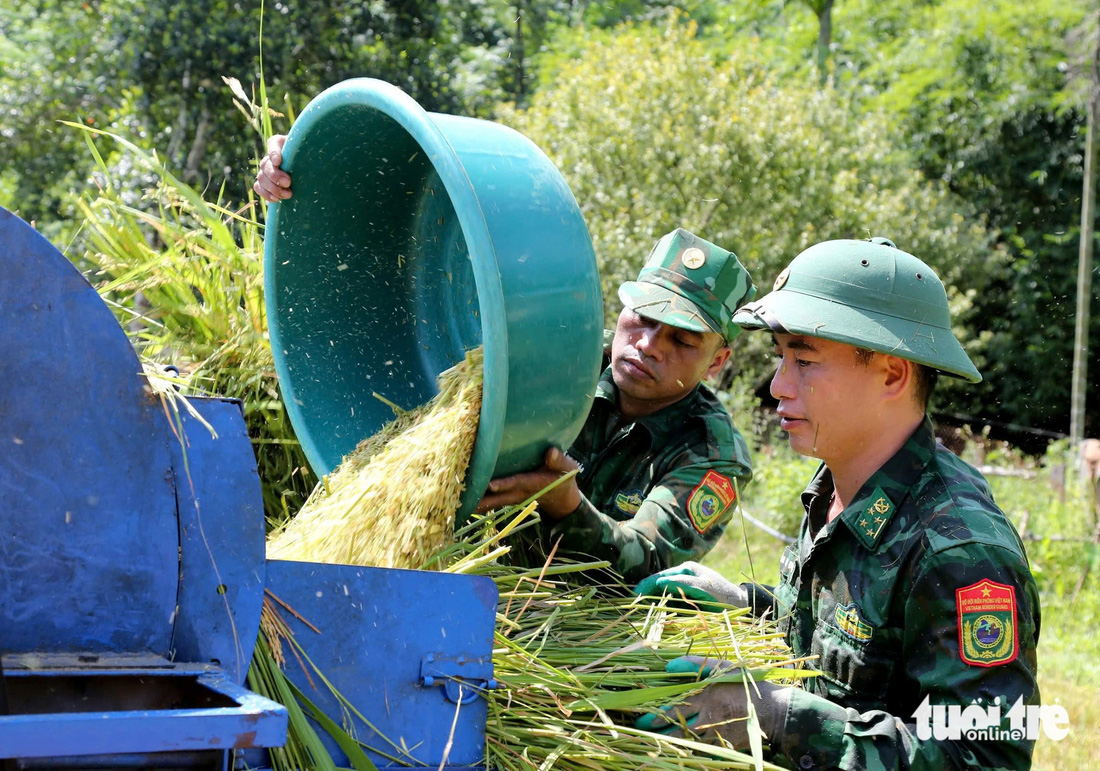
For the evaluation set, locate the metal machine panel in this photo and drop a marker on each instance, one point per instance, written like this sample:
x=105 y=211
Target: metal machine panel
x=395 y=643
x=89 y=558
x=221 y=520
x=80 y=713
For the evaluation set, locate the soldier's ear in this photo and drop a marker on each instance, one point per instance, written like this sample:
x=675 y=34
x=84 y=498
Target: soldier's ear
x=721 y=356
x=897 y=376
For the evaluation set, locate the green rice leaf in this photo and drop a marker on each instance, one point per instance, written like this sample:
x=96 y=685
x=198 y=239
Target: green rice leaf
x=350 y=747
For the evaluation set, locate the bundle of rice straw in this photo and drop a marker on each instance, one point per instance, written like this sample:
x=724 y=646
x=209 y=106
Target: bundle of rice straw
x=577 y=664
x=392 y=501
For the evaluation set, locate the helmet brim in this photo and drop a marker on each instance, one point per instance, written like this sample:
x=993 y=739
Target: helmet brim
x=802 y=314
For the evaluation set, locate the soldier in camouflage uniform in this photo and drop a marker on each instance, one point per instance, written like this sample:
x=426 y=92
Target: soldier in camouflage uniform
x=660 y=462
x=907 y=582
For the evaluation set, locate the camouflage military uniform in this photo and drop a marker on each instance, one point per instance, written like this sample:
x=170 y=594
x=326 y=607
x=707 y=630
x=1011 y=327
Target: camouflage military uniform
x=657 y=491
x=889 y=597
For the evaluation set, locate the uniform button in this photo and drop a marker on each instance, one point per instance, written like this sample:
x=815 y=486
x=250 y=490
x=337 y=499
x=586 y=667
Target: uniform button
x=806 y=762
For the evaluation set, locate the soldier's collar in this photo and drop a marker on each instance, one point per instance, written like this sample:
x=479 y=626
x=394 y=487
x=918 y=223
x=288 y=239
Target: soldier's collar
x=907 y=464
x=605 y=388
x=869 y=513
x=821 y=483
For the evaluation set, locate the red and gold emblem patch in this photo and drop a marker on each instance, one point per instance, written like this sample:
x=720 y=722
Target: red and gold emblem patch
x=710 y=499
x=987 y=623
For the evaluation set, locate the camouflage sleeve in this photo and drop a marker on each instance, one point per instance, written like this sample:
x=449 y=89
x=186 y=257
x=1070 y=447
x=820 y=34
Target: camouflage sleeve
x=939 y=639
x=681 y=519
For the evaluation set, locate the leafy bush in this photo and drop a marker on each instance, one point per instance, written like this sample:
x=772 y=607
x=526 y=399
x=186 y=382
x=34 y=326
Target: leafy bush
x=652 y=133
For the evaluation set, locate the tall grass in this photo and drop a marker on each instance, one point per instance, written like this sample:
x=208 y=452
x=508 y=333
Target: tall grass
x=185 y=278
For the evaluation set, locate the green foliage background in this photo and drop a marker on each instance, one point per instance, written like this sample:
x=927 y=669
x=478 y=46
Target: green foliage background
x=954 y=129
x=654 y=132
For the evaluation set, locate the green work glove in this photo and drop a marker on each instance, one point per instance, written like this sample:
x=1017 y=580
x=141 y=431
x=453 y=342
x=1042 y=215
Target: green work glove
x=719 y=713
x=694 y=582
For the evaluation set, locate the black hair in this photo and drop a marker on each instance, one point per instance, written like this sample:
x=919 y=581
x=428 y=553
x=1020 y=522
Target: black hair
x=924 y=378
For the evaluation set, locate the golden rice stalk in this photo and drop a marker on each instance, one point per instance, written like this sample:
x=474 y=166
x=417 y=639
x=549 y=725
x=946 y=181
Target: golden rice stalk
x=392 y=501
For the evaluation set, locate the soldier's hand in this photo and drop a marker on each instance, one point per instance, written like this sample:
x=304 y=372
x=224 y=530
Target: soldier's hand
x=693 y=581
x=719 y=714
x=558 y=503
x=272 y=183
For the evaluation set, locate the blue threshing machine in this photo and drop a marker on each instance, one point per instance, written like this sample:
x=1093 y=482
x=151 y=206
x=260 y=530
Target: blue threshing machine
x=132 y=570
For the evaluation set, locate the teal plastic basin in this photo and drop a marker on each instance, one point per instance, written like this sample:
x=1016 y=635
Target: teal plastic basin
x=410 y=238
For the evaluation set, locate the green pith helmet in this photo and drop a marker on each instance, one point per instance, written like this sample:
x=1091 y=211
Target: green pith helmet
x=869 y=294
x=690 y=283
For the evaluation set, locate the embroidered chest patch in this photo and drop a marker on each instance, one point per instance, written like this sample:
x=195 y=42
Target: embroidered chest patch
x=710 y=499
x=987 y=623
x=629 y=503
x=850 y=621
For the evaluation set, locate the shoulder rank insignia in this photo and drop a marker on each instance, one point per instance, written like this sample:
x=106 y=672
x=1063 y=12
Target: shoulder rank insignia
x=869 y=522
x=987 y=623
x=850 y=621
x=710 y=499
x=629 y=503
